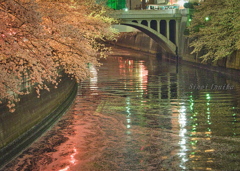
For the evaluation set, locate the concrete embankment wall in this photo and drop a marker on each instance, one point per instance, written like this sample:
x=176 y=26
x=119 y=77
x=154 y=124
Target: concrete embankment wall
x=33 y=116
x=140 y=41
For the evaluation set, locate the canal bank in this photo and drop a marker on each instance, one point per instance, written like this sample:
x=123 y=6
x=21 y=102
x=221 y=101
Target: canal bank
x=33 y=116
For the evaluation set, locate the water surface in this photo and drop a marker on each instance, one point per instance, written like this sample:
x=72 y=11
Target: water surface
x=137 y=113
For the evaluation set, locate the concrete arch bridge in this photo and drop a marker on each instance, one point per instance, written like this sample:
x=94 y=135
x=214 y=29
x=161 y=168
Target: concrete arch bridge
x=166 y=27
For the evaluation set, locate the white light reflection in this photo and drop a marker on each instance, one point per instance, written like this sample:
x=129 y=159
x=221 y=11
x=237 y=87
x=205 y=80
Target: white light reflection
x=65 y=169
x=128 y=107
x=128 y=104
x=182 y=134
x=71 y=160
x=93 y=80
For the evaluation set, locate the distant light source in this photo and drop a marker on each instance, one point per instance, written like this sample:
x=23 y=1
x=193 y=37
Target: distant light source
x=207 y=18
x=125 y=9
x=181 y=3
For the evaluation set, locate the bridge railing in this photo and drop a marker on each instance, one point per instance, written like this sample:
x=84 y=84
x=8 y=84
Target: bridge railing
x=145 y=12
x=148 y=13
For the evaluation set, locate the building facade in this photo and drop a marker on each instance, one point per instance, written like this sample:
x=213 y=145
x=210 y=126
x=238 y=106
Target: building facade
x=141 y=4
x=116 y=4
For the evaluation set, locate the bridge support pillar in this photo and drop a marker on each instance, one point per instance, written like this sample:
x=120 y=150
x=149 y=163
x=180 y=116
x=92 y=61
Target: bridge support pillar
x=177 y=32
x=149 y=23
x=158 y=26
x=168 y=32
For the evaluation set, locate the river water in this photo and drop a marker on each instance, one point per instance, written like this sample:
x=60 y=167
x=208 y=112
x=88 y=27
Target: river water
x=138 y=114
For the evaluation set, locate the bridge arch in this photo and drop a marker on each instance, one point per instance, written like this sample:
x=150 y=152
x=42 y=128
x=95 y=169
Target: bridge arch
x=166 y=27
x=150 y=29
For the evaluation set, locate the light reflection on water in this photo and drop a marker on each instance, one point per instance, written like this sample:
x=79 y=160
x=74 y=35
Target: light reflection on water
x=182 y=135
x=138 y=114
x=199 y=120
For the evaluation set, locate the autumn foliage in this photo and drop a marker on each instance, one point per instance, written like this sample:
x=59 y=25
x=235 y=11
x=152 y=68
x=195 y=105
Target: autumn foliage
x=43 y=38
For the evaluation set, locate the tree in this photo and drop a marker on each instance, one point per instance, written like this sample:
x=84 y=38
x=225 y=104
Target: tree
x=190 y=5
x=215 y=29
x=40 y=39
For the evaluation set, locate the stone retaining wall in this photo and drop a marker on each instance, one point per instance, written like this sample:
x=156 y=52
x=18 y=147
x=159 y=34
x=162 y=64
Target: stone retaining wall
x=138 y=41
x=33 y=116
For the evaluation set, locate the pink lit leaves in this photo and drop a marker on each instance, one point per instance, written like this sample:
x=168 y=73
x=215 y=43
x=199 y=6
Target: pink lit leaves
x=40 y=38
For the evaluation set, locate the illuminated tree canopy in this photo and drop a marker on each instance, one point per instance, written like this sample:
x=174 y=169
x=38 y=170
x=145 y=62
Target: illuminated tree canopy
x=40 y=39
x=215 y=29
